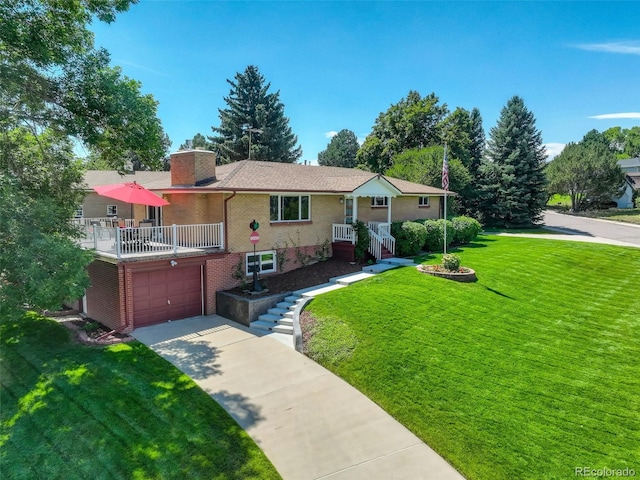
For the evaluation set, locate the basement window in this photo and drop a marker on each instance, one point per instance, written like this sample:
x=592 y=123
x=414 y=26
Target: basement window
x=264 y=262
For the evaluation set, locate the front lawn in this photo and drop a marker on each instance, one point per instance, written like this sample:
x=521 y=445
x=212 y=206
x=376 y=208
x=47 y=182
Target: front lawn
x=531 y=372
x=76 y=412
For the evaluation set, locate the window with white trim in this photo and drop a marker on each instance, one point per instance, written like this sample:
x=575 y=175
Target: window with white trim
x=379 y=201
x=264 y=262
x=112 y=210
x=289 y=208
x=423 y=201
x=79 y=212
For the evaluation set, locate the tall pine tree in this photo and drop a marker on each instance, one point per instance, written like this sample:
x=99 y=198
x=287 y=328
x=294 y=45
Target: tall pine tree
x=512 y=172
x=341 y=151
x=257 y=117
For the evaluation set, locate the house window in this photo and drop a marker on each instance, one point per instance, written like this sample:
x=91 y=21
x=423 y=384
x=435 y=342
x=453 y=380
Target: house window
x=289 y=208
x=265 y=262
x=112 y=210
x=423 y=201
x=79 y=212
x=379 y=201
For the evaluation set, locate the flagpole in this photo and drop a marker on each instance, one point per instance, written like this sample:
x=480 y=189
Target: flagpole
x=445 y=186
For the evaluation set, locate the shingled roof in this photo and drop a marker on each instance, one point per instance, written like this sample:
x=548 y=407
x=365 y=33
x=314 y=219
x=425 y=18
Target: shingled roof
x=267 y=176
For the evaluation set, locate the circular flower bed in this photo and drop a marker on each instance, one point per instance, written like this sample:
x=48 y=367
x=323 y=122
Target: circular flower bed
x=462 y=274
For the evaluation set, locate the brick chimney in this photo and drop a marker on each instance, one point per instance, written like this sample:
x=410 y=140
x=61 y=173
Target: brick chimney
x=193 y=168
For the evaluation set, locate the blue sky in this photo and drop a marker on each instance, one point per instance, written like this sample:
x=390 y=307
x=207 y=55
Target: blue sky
x=339 y=64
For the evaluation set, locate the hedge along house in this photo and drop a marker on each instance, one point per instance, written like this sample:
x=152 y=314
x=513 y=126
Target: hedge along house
x=172 y=260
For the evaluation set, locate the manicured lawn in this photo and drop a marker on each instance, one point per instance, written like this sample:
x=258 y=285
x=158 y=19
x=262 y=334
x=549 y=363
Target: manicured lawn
x=529 y=373
x=559 y=201
x=76 y=412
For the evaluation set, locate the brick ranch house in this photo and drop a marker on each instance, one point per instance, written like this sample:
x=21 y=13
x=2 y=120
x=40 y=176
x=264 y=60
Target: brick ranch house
x=169 y=262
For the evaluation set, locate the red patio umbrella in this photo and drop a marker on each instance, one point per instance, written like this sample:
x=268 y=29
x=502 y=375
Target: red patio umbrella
x=131 y=192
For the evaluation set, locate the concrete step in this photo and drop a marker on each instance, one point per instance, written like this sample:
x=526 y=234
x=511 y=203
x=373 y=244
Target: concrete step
x=293 y=298
x=378 y=267
x=397 y=261
x=324 y=289
x=280 y=312
x=286 y=305
x=351 y=278
x=310 y=289
x=276 y=319
x=272 y=327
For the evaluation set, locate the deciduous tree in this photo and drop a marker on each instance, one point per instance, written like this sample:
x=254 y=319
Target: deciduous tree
x=586 y=171
x=414 y=122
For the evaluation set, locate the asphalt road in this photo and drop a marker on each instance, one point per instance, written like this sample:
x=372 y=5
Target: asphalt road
x=593 y=227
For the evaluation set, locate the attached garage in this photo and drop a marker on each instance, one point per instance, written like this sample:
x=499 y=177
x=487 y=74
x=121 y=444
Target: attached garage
x=168 y=294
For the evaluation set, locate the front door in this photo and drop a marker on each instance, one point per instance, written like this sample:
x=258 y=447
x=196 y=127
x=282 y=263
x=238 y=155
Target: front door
x=155 y=215
x=348 y=211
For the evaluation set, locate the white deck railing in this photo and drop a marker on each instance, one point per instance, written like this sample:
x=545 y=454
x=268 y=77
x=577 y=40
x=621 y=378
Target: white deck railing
x=375 y=244
x=343 y=232
x=384 y=231
x=129 y=242
x=103 y=221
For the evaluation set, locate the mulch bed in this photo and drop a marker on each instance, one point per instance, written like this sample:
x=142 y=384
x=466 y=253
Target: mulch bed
x=304 y=277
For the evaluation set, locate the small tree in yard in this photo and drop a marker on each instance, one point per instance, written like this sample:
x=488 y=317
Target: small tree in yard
x=513 y=183
x=585 y=171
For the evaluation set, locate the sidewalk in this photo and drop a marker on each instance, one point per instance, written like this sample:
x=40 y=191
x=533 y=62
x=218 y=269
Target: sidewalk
x=309 y=423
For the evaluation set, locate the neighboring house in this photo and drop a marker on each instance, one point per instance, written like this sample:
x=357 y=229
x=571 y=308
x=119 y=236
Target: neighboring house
x=182 y=254
x=631 y=167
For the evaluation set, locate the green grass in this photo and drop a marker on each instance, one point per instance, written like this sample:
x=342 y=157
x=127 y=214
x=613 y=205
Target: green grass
x=557 y=200
x=76 y=412
x=529 y=373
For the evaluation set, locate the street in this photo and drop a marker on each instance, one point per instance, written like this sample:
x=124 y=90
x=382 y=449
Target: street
x=593 y=227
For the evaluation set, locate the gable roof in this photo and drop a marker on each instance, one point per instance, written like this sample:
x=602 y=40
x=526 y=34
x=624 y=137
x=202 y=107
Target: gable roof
x=634 y=180
x=257 y=176
x=629 y=162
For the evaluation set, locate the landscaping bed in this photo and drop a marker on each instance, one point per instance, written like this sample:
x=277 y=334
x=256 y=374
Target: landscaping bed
x=304 y=277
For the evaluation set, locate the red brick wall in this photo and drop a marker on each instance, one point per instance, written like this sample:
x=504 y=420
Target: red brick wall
x=103 y=296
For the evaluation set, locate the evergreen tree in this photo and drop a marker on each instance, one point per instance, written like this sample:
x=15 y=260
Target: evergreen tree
x=512 y=173
x=470 y=201
x=341 y=151
x=254 y=119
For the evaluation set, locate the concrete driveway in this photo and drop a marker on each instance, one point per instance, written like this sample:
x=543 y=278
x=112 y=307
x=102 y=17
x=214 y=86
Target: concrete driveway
x=590 y=227
x=309 y=423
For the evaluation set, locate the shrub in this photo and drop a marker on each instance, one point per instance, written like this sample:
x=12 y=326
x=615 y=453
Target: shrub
x=451 y=262
x=435 y=234
x=410 y=236
x=465 y=229
x=362 y=240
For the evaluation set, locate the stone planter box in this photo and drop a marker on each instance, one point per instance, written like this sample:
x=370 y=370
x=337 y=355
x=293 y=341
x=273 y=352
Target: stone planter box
x=465 y=277
x=245 y=310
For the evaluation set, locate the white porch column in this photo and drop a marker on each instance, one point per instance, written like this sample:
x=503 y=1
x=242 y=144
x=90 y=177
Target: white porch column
x=389 y=211
x=355 y=209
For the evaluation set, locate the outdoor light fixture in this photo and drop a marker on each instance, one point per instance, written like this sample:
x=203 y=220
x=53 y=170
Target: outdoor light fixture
x=173 y=263
x=341 y=199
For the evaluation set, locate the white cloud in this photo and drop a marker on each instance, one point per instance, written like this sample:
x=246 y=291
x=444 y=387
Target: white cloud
x=630 y=48
x=553 y=150
x=608 y=116
x=331 y=134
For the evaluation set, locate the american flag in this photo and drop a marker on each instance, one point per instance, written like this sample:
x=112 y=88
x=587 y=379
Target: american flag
x=445 y=171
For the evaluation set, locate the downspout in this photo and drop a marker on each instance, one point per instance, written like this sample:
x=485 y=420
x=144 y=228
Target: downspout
x=226 y=224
